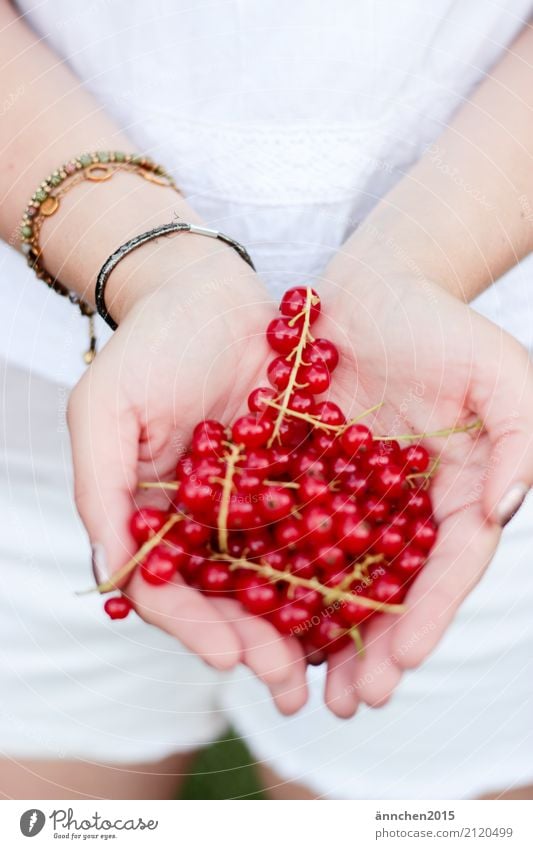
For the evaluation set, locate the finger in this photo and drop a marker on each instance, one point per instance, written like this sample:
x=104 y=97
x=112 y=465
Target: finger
x=464 y=548
x=265 y=651
x=187 y=615
x=505 y=404
x=340 y=694
x=378 y=673
x=104 y=440
x=290 y=696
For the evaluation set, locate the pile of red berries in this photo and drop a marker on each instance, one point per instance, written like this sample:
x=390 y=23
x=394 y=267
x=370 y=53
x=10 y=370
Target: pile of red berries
x=307 y=519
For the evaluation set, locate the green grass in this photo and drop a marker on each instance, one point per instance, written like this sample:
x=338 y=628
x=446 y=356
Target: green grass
x=224 y=770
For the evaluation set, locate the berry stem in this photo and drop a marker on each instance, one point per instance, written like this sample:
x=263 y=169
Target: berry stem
x=227 y=485
x=449 y=431
x=297 y=353
x=330 y=593
x=159 y=485
x=124 y=571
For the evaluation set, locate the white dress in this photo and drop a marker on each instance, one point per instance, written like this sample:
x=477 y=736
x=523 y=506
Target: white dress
x=283 y=123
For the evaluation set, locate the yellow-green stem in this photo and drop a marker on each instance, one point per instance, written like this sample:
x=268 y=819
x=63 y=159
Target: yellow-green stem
x=124 y=571
x=297 y=353
x=227 y=485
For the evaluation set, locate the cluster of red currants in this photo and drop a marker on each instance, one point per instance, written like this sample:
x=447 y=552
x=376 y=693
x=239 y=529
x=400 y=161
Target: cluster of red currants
x=306 y=518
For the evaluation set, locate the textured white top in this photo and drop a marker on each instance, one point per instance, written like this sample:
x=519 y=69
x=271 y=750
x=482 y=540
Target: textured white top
x=282 y=122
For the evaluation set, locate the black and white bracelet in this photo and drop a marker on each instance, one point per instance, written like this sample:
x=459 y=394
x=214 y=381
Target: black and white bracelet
x=149 y=236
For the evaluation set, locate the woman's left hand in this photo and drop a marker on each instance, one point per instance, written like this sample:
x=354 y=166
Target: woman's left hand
x=435 y=364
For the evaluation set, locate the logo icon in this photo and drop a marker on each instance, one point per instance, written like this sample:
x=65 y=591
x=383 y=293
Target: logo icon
x=32 y=822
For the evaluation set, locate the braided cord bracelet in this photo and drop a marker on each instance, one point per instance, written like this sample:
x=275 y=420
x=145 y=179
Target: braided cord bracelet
x=95 y=167
x=149 y=236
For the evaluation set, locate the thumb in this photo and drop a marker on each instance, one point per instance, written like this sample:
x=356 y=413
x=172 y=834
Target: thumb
x=505 y=404
x=105 y=439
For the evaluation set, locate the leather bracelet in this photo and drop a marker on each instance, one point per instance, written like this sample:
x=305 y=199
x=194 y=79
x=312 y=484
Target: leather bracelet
x=161 y=230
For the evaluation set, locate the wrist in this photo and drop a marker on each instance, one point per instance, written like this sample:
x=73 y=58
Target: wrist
x=186 y=265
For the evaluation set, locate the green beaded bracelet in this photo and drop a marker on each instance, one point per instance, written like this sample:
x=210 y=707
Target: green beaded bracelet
x=95 y=167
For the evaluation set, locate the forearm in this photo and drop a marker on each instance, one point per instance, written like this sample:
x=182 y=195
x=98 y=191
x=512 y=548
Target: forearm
x=52 y=119
x=464 y=214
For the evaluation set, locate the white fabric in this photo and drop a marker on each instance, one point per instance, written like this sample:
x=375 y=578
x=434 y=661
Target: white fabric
x=72 y=683
x=283 y=123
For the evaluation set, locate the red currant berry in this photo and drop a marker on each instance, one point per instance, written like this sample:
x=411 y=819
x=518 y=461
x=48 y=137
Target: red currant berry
x=191 y=567
x=248 y=483
x=409 y=561
x=290 y=618
x=389 y=542
x=255 y=593
x=259 y=398
x=389 y=481
x=257 y=460
x=252 y=430
x=161 y=564
x=313 y=489
x=257 y=542
x=215 y=578
x=307 y=463
x=324 y=444
x=279 y=372
x=276 y=559
x=198 y=495
x=191 y=533
x=145 y=522
x=280 y=460
x=276 y=503
x=207 y=438
x=315 y=378
x=356 y=439
x=331 y=559
x=375 y=509
x=282 y=336
x=302 y=565
x=311 y=599
x=302 y=402
x=415 y=458
x=423 y=534
x=294 y=301
x=330 y=413
x=353 y=613
x=418 y=504
x=324 y=352
x=355 y=536
x=343 y=505
x=293 y=432
x=317 y=526
x=388 y=589
x=288 y=532
x=329 y=634
x=117 y=607
x=241 y=513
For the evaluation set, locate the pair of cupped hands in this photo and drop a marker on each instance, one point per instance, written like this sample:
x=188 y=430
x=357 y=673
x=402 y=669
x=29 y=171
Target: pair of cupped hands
x=193 y=346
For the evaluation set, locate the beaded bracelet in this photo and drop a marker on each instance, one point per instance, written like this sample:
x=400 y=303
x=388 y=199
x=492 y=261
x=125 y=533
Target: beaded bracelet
x=95 y=167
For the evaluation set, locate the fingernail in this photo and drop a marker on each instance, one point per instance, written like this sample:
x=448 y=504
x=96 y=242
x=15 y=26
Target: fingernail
x=99 y=563
x=511 y=503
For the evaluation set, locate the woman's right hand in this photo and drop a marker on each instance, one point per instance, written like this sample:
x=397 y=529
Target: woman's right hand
x=192 y=349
